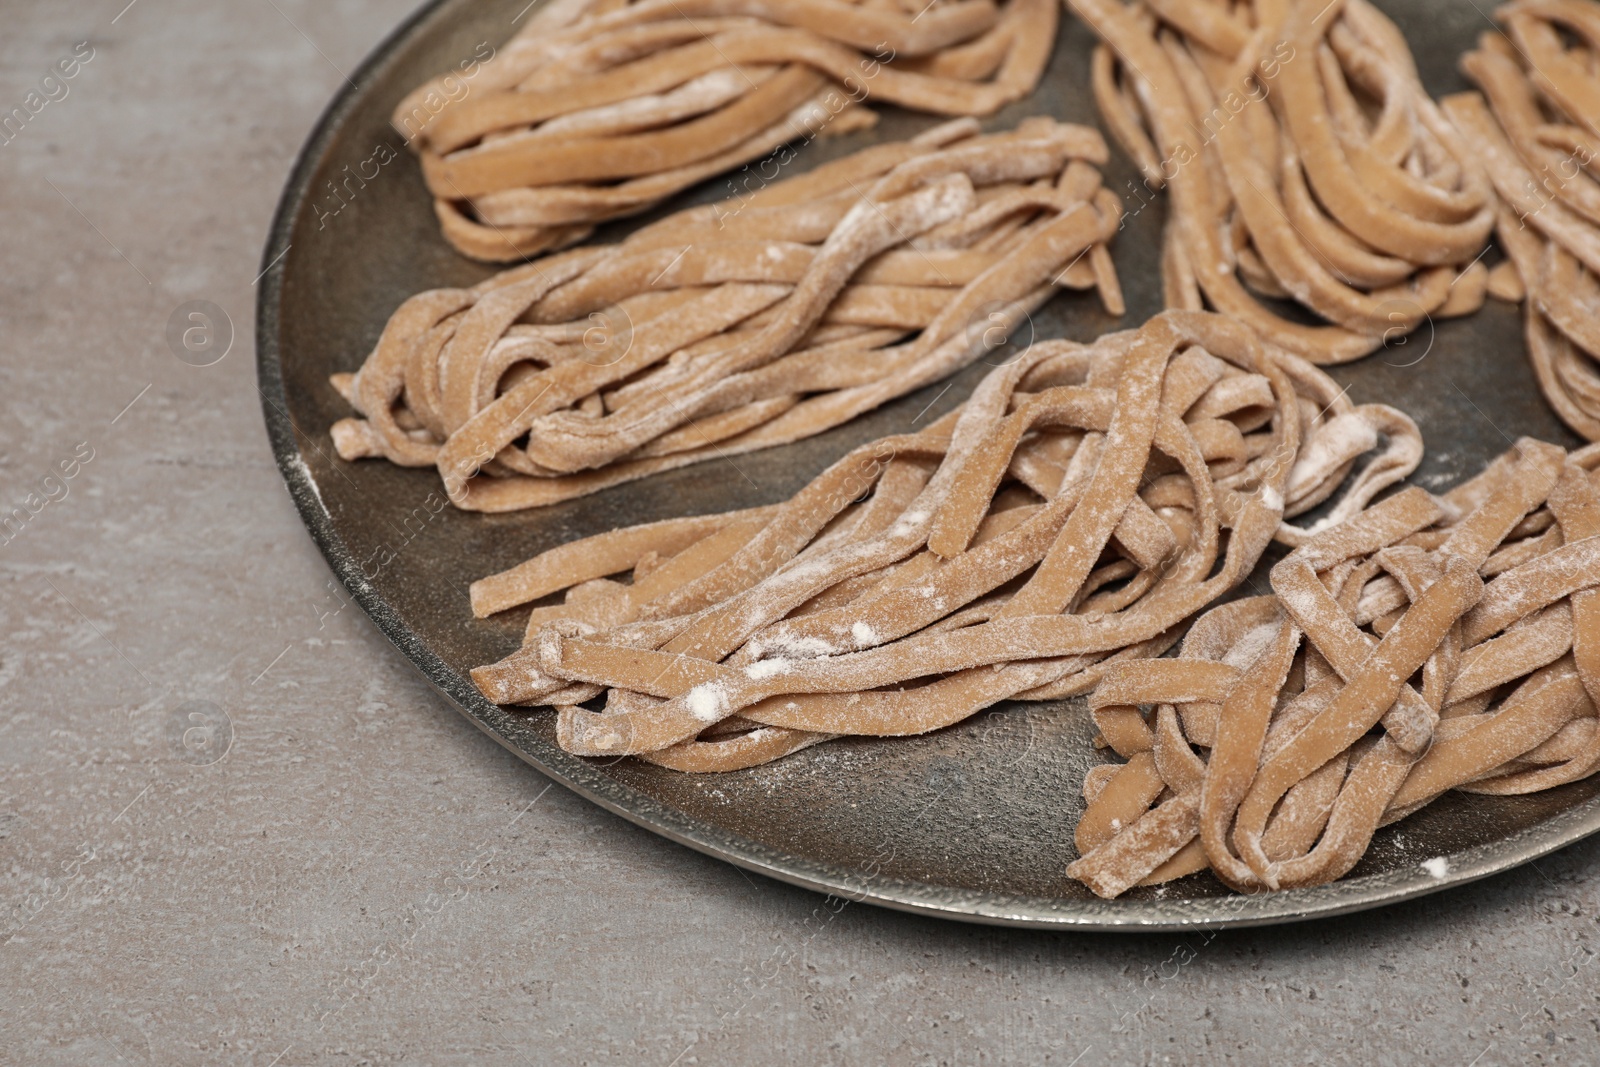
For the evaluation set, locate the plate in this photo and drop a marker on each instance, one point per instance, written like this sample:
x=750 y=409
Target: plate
x=973 y=822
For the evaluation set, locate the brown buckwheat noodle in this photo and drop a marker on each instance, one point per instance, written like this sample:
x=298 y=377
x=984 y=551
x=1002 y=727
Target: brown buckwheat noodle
x=603 y=108
x=728 y=328
x=1425 y=645
x=1304 y=161
x=1537 y=128
x=1073 y=514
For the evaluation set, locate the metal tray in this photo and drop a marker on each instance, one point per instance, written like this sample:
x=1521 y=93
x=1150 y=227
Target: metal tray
x=973 y=822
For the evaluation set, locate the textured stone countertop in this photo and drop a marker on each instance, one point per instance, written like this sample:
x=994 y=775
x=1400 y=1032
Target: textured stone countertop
x=299 y=901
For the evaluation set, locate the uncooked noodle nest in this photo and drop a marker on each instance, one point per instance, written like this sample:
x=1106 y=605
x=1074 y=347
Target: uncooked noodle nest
x=1303 y=160
x=1426 y=645
x=733 y=327
x=1073 y=514
x=603 y=108
x=1537 y=127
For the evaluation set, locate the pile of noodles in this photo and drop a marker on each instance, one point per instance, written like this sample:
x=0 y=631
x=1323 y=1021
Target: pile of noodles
x=1074 y=513
x=1537 y=128
x=1304 y=161
x=603 y=108
x=721 y=330
x=1426 y=645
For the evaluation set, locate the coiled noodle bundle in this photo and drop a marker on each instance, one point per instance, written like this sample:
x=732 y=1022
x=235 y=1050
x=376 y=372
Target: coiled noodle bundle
x=1425 y=645
x=1303 y=160
x=603 y=108
x=1537 y=125
x=721 y=330
x=1075 y=512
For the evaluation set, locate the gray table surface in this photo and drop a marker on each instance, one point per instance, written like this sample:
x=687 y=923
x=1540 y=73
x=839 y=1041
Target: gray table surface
x=364 y=878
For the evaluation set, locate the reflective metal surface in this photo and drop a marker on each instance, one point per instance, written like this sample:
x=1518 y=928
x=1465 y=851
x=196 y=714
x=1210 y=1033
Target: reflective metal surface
x=974 y=822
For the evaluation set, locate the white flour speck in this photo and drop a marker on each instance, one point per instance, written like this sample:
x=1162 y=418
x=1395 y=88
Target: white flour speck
x=800 y=647
x=767 y=668
x=908 y=522
x=864 y=634
x=1438 y=867
x=706 y=702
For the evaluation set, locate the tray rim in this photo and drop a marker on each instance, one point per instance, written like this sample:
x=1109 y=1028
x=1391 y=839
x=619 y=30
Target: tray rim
x=985 y=907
